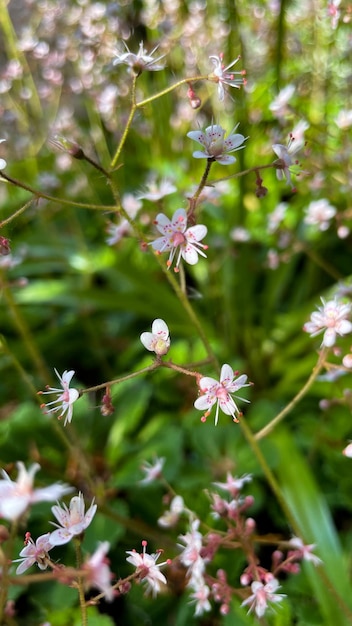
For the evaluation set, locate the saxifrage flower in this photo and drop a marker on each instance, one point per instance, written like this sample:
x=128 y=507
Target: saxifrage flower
x=34 y=552
x=181 y=241
x=215 y=392
x=158 y=340
x=65 y=397
x=330 y=319
x=222 y=76
x=216 y=147
x=147 y=568
x=72 y=521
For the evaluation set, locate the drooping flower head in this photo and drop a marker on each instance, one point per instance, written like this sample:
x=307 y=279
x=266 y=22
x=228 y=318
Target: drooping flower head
x=65 y=397
x=216 y=147
x=147 y=568
x=141 y=61
x=330 y=319
x=17 y=496
x=34 y=552
x=285 y=154
x=177 y=238
x=222 y=76
x=158 y=340
x=98 y=574
x=72 y=521
x=215 y=392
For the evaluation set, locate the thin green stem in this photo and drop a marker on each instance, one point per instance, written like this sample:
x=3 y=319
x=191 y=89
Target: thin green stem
x=80 y=581
x=16 y=213
x=134 y=107
x=274 y=422
x=184 y=81
x=122 y=379
x=193 y=201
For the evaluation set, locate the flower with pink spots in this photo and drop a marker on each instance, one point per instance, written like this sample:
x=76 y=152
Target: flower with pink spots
x=65 y=397
x=72 y=521
x=181 y=241
x=216 y=147
x=215 y=392
x=222 y=76
x=330 y=319
x=34 y=552
x=158 y=340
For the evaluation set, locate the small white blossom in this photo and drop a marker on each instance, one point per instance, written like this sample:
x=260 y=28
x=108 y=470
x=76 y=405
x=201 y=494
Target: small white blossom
x=147 y=568
x=330 y=318
x=17 y=496
x=34 y=552
x=2 y=161
x=140 y=61
x=200 y=596
x=216 y=147
x=152 y=471
x=116 y=232
x=279 y=106
x=65 y=397
x=319 y=213
x=215 y=392
x=72 y=521
x=154 y=192
x=171 y=517
x=233 y=484
x=222 y=76
x=262 y=594
x=286 y=153
x=304 y=551
x=98 y=573
x=177 y=237
x=158 y=340
x=348 y=451
x=344 y=119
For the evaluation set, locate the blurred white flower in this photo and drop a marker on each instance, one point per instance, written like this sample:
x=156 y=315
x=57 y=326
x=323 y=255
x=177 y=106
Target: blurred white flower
x=116 y=232
x=279 y=106
x=330 y=319
x=170 y=518
x=319 y=213
x=344 y=119
x=17 y=496
x=98 y=574
x=303 y=551
x=262 y=594
x=348 y=451
x=140 y=61
x=152 y=471
x=154 y=192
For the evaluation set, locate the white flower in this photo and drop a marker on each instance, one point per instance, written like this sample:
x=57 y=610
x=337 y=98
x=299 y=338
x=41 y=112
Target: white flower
x=222 y=76
x=147 y=569
x=319 y=213
x=158 y=340
x=216 y=147
x=215 y=392
x=190 y=556
x=140 y=61
x=34 y=553
x=17 y=496
x=72 y=521
x=200 y=597
x=152 y=470
x=233 y=484
x=176 y=236
x=348 y=451
x=131 y=204
x=330 y=318
x=285 y=153
x=344 y=119
x=262 y=594
x=154 y=192
x=279 y=106
x=98 y=573
x=171 y=517
x=66 y=397
x=304 y=551
x=2 y=161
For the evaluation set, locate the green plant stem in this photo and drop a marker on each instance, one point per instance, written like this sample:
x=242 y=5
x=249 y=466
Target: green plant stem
x=184 y=81
x=122 y=379
x=255 y=169
x=16 y=213
x=193 y=201
x=128 y=124
x=80 y=580
x=276 y=420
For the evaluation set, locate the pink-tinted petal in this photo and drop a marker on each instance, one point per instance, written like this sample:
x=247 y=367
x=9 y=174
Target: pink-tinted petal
x=160 y=328
x=226 y=373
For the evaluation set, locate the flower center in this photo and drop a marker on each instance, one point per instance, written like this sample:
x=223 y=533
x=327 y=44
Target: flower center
x=178 y=239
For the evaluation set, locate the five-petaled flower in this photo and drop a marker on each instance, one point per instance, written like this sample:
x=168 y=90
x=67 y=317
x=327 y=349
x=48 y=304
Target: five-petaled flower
x=140 y=61
x=72 y=521
x=222 y=76
x=147 y=569
x=216 y=147
x=215 y=392
x=65 y=397
x=158 y=340
x=262 y=594
x=98 y=573
x=34 y=552
x=17 y=496
x=177 y=237
x=330 y=318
